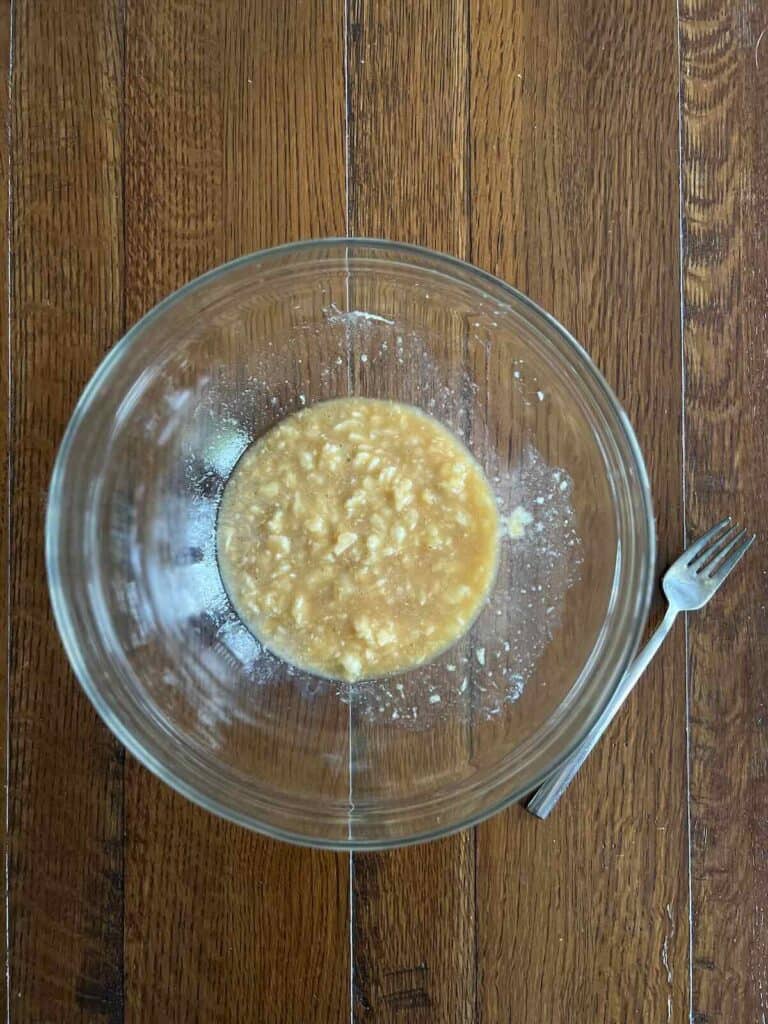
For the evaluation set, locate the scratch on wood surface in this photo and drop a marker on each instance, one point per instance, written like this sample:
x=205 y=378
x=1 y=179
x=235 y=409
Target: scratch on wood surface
x=757 y=47
x=665 y=958
x=758 y=938
x=669 y=935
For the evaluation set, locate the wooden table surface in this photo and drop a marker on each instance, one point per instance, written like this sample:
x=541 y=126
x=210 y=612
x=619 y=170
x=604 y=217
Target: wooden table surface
x=609 y=159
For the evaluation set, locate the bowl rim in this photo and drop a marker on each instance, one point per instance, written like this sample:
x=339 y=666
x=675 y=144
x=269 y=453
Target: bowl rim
x=452 y=264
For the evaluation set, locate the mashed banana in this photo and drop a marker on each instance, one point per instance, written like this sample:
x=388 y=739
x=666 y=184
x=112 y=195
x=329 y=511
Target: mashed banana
x=357 y=537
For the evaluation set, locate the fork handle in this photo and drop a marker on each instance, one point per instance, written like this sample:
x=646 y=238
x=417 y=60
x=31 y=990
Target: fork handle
x=553 y=787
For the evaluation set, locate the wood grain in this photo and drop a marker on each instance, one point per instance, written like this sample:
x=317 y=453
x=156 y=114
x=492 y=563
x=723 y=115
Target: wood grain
x=150 y=141
x=574 y=185
x=65 y=769
x=413 y=911
x=234 y=118
x=5 y=62
x=725 y=135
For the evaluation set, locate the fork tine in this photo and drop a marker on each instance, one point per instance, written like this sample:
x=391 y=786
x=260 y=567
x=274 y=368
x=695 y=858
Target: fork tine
x=725 y=567
x=716 y=558
x=717 y=548
x=702 y=542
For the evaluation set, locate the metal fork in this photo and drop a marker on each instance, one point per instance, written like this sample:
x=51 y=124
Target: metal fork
x=688 y=584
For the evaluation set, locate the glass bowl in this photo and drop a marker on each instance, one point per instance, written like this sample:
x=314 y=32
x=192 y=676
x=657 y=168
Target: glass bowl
x=157 y=646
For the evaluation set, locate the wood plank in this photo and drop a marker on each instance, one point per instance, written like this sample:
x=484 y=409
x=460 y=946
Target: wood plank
x=234 y=128
x=574 y=186
x=65 y=769
x=5 y=61
x=725 y=135
x=413 y=912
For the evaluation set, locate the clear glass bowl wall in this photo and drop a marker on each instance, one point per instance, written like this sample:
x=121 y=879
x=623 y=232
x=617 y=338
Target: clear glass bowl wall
x=149 y=629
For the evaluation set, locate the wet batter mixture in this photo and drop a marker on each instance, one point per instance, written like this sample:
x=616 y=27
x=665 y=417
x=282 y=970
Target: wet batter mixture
x=358 y=537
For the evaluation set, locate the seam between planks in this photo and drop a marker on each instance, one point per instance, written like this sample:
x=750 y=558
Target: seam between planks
x=9 y=471
x=123 y=29
x=469 y=253
x=683 y=494
x=347 y=215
